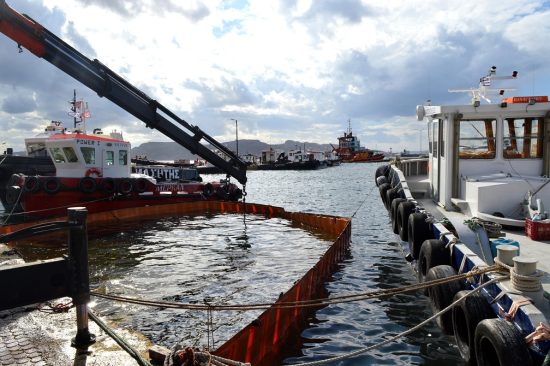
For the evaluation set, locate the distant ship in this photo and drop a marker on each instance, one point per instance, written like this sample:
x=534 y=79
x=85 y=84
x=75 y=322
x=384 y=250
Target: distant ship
x=349 y=149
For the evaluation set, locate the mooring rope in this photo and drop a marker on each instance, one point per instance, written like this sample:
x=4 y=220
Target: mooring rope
x=121 y=342
x=363 y=202
x=402 y=334
x=304 y=303
x=523 y=282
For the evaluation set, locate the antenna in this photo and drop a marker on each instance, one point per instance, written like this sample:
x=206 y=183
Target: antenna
x=483 y=90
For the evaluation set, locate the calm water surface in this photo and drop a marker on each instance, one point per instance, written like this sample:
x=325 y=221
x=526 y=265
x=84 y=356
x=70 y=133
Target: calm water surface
x=220 y=258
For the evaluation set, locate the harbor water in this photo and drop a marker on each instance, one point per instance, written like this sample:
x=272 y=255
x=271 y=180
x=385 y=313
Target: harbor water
x=132 y=261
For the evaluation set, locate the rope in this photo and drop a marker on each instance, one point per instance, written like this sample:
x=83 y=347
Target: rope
x=527 y=283
x=363 y=202
x=402 y=334
x=305 y=303
x=193 y=357
x=121 y=342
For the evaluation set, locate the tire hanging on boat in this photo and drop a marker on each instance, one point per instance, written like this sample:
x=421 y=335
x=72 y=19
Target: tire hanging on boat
x=207 y=190
x=52 y=185
x=87 y=185
x=125 y=186
x=390 y=195
x=383 y=188
x=140 y=185
x=442 y=295
x=499 y=342
x=381 y=171
x=418 y=230
x=12 y=194
x=31 y=185
x=432 y=253
x=108 y=185
x=403 y=211
x=466 y=316
x=380 y=180
x=393 y=212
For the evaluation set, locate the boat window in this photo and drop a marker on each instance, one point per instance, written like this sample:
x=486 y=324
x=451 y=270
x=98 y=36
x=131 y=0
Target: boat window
x=57 y=155
x=123 y=157
x=430 y=138
x=109 y=157
x=70 y=154
x=442 y=140
x=36 y=149
x=435 y=137
x=477 y=139
x=522 y=138
x=89 y=154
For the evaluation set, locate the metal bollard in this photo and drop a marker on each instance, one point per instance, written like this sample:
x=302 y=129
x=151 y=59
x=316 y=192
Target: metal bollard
x=80 y=279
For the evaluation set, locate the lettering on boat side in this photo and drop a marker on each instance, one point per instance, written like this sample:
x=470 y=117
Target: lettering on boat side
x=174 y=187
x=86 y=142
x=159 y=173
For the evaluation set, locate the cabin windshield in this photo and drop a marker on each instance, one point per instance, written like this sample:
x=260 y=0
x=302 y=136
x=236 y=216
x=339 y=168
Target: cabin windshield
x=123 y=157
x=89 y=155
x=477 y=139
x=57 y=155
x=70 y=154
x=522 y=138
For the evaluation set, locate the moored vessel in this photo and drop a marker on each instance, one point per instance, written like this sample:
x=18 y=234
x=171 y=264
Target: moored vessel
x=476 y=202
x=349 y=149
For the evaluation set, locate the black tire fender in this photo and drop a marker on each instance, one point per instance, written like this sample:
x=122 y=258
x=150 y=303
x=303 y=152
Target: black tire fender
x=393 y=211
x=390 y=195
x=87 y=185
x=125 y=186
x=442 y=295
x=140 y=185
x=108 y=185
x=432 y=253
x=12 y=194
x=383 y=188
x=403 y=211
x=466 y=316
x=52 y=185
x=418 y=230
x=382 y=170
x=499 y=342
x=31 y=185
x=207 y=190
x=381 y=180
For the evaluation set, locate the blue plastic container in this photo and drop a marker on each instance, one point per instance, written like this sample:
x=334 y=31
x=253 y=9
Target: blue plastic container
x=496 y=242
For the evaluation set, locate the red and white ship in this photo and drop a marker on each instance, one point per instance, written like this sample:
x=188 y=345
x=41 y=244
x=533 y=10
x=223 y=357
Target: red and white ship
x=94 y=170
x=350 y=151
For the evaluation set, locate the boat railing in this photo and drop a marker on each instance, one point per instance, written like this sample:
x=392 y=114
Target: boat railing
x=412 y=167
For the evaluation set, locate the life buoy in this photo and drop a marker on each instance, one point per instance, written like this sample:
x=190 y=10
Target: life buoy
x=498 y=341
x=418 y=231
x=94 y=172
x=31 y=185
x=125 y=186
x=52 y=185
x=87 y=185
x=466 y=316
x=140 y=185
x=108 y=185
x=442 y=295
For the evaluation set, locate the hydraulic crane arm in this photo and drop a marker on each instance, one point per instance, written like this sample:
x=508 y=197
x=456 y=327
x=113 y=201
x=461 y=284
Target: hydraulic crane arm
x=106 y=83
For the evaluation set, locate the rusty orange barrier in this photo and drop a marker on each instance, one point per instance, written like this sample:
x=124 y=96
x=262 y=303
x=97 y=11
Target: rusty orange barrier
x=262 y=341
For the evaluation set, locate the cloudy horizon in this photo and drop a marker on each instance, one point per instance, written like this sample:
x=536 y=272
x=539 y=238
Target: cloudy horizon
x=286 y=70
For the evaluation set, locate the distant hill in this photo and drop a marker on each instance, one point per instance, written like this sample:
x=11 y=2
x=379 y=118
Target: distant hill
x=173 y=151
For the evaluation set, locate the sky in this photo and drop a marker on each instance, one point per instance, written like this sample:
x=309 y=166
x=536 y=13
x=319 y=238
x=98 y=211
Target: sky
x=285 y=70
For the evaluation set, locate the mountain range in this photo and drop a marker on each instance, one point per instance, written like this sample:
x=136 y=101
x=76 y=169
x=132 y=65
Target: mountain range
x=174 y=151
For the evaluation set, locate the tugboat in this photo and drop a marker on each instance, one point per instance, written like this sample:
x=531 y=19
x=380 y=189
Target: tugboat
x=94 y=170
x=479 y=200
x=350 y=151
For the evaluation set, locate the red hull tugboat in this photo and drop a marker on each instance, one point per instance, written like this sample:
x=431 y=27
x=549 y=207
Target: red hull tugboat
x=93 y=170
x=350 y=151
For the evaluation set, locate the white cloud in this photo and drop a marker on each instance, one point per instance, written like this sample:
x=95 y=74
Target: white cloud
x=285 y=69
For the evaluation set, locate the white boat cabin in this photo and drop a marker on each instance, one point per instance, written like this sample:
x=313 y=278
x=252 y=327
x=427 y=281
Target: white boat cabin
x=78 y=155
x=491 y=161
